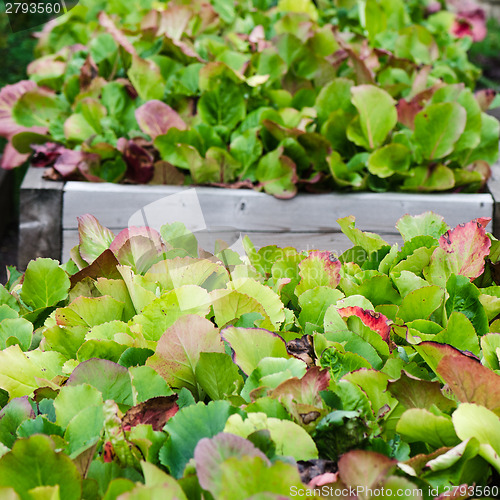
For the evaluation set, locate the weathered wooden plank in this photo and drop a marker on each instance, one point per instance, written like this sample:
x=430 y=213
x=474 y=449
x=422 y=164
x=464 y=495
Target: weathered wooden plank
x=246 y=210
x=333 y=242
x=40 y=218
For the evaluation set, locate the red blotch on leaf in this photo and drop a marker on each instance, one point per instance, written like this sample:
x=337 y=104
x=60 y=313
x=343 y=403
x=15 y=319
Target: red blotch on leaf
x=469 y=244
x=374 y=320
x=155 y=411
x=331 y=263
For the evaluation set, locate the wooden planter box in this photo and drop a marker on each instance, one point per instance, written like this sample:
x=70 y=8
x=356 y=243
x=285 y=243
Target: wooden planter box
x=48 y=224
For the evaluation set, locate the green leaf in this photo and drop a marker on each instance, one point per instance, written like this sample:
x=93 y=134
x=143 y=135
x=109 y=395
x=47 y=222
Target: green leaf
x=438 y=127
x=33 y=462
x=225 y=106
x=146 y=78
x=459 y=333
x=84 y=430
x=302 y=446
x=473 y=421
x=377 y=113
x=186 y=428
x=390 y=159
x=277 y=174
x=19 y=370
x=370 y=242
x=426 y=224
x=147 y=384
x=45 y=284
x=16 y=331
x=177 y=235
x=37 y=108
x=333 y=97
x=420 y=303
x=464 y=298
x=217 y=375
x=183 y=301
x=179 y=348
x=72 y=399
x=251 y=477
x=250 y=345
x=111 y=379
x=418 y=424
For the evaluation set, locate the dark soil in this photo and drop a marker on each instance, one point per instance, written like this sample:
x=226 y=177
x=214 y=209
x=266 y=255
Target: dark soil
x=8 y=250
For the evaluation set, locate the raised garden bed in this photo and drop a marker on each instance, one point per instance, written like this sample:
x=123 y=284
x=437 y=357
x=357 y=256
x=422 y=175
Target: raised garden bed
x=49 y=211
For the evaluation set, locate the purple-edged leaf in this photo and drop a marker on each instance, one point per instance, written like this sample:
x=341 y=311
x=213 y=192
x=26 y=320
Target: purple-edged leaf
x=318 y=269
x=107 y=23
x=301 y=397
x=470 y=381
x=156 y=412
x=139 y=161
x=178 y=350
x=374 y=320
x=156 y=118
x=250 y=345
x=11 y=416
x=94 y=238
x=209 y=454
x=110 y=378
x=9 y=95
x=484 y=98
x=138 y=247
x=413 y=392
x=359 y=468
x=102 y=267
x=467 y=245
x=11 y=158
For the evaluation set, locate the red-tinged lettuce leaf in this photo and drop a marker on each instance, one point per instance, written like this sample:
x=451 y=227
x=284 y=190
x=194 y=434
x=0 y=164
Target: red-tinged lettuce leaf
x=33 y=464
x=318 y=269
x=157 y=118
x=484 y=98
x=107 y=23
x=11 y=416
x=277 y=174
x=250 y=345
x=413 y=392
x=470 y=381
x=407 y=111
x=156 y=411
x=374 y=320
x=11 y=158
x=139 y=161
x=209 y=455
x=69 y=161
x=94 y=238
x=470 y=22
x=433 y=352
x=102 y=267
x=364 y=469
x=9 y=95
x=301 y=397
x=467 y=245
x=111 y=379
x=179 y=348
x=138 y=247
